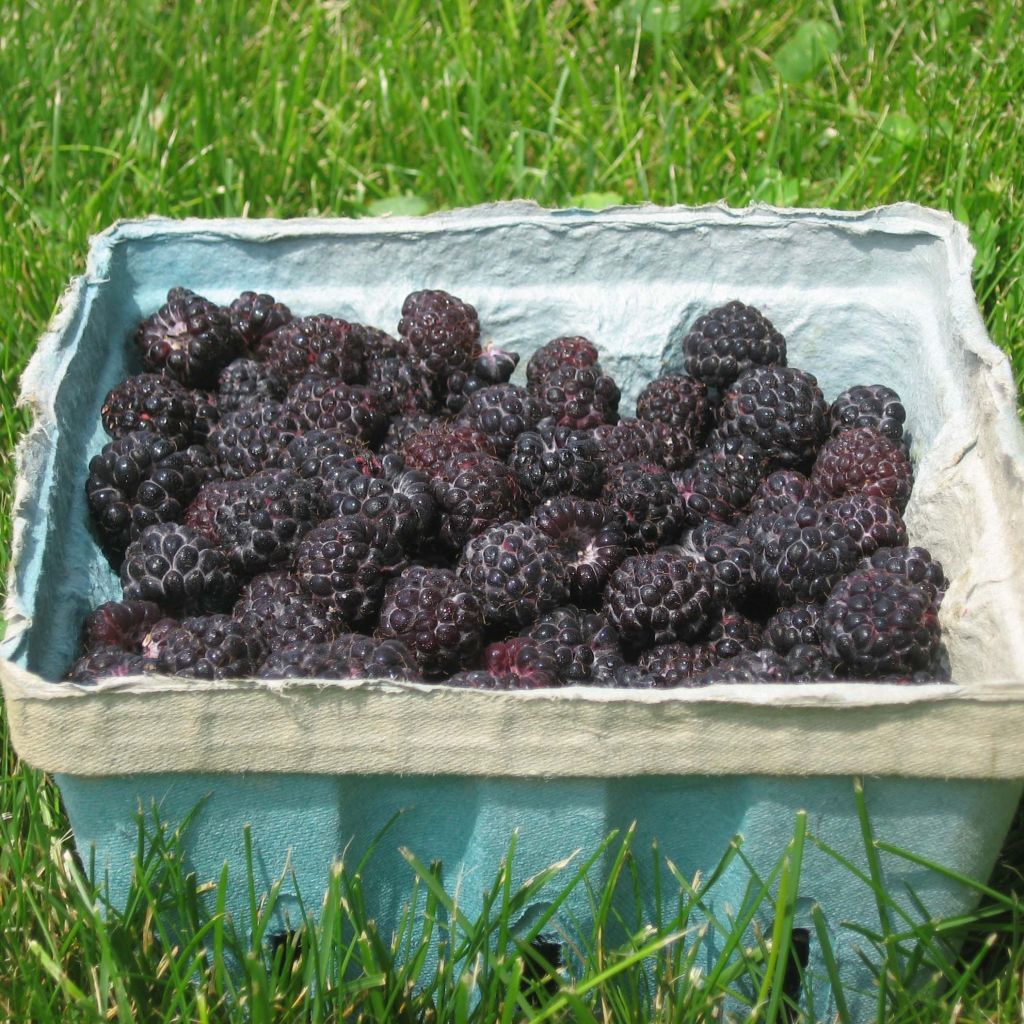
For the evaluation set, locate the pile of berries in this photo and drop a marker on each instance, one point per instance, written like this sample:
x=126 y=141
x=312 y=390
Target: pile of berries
x=300 y=496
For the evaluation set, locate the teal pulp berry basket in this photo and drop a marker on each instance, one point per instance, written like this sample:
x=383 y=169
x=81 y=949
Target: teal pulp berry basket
x=317 y=769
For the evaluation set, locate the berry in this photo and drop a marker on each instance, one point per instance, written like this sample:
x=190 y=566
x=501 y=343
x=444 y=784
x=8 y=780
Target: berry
x=534 y=678
x=652 y=511
x=441 y=331
x=254 y=317
x=630 y=440
x=404 y=385
x=321 y=345
x=630 y=677
x=314 y=454
x=260 y=521
x=136 y=481
x=680 y=404
x=149 y=402
x=799 y=624
x=781 y=488
x=808 y=663
x=244 y=381
x=177 y=568
x=721 y=481
x=211 y=647
x=402 y=428
x=800 y=553
x=350 y=656
x=876 y=623
x=436 y=616
x=495 y=365
x=556 y=461
x=346 y=562
x=733 y=633
x=676 y=664
x=729 y=554
x=580 y=397
x=502 y=412
x=407 y=511
x=120 y=624
x=108 y=662
x=660 y=597
x=589 y=538
x=781 y=409
x=458 y=386
x=871 y=523
x=724 y=342
x=761 y=666
x=515 y=573
x=188 y=338
x=474 y=491
x=431 y=449
x=201 y=515
x=582 y=646
x=872 y=405
x=324 y=403
x=915 y=565
x=277 y=607
x=864 y=461
x=566 y=351
x=522 y=664
x=253 y=438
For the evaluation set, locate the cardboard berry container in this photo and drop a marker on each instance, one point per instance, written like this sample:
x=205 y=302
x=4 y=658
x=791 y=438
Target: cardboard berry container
x=316 y=769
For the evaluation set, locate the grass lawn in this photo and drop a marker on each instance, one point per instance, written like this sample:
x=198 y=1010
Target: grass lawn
x=294 y=107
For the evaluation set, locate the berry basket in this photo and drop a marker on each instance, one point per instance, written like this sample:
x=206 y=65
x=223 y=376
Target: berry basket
x=317 y=769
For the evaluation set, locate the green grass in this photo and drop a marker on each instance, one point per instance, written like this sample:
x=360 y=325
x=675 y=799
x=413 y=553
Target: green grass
x=278 y=108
